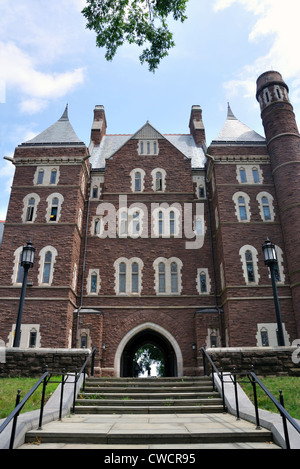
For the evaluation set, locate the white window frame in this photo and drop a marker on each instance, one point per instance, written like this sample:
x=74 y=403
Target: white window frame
x=168 y=275
x=42 y=256
x=14 y=277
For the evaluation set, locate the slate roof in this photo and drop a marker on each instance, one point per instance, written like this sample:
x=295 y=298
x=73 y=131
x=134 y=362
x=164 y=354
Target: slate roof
x=60 y=133
x=234 y=131
x=112 y=143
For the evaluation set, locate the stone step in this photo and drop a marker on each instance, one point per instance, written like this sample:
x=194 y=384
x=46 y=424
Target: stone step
x=138 y=430
x=153 y=395
x=145 y=409
x=147 y=389
x=148 y=402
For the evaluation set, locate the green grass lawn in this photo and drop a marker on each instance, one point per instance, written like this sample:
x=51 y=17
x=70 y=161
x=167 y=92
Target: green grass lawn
x=8 y=393
x=290 y=387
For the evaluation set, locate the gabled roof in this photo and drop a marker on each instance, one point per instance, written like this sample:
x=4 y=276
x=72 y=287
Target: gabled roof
x=110 y=144
x=60 y=133
x=234 y=131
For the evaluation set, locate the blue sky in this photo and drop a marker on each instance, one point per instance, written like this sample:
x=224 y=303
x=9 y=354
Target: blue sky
x=48 y=59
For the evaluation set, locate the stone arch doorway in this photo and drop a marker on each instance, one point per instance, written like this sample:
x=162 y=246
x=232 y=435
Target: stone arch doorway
x=148 y=333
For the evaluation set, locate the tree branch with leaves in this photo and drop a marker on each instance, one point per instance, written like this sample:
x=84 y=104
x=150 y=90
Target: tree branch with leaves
x=140 y=22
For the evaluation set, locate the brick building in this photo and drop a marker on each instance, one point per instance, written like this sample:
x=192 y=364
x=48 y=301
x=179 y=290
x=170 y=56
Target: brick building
x=156 y=239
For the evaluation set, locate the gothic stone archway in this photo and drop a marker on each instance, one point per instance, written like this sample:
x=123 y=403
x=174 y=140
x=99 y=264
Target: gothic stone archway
x=148 y=333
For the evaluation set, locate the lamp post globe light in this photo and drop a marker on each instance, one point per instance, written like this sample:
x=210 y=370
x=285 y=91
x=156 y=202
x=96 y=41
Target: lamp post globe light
x=271 y=261
x=27 y=261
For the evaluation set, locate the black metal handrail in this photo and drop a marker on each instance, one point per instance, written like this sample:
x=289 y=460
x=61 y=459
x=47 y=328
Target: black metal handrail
x=45 y=380
x=254 y=380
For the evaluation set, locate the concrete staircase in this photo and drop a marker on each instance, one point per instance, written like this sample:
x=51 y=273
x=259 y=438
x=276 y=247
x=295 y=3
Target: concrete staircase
x=143 y=413
x=148 y=396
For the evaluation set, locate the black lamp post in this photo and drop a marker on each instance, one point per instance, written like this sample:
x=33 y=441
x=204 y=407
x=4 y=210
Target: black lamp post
x=271 y=261
x=27 y=260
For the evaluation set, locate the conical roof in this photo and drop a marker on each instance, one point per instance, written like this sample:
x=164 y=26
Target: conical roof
x=235 y=131
x=60 y=133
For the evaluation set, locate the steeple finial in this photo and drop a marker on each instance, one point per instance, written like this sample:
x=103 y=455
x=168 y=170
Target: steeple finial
x=65 y=116
x=230 y=114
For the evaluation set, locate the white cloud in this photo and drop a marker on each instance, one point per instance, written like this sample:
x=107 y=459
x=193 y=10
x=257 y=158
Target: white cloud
x=279 y=23
x=35 y=37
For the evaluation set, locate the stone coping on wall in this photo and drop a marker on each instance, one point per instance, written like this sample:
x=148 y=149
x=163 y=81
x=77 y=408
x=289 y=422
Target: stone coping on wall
x=265 y=360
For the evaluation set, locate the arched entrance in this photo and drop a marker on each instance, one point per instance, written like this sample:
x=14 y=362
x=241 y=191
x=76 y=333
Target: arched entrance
x=148 y=333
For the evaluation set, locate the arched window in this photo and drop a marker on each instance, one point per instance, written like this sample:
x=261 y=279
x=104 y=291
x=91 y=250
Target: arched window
x=161 y=277
x=174 y=277
x=55 y=202
x=266 y=208
x=250 y=266
x=158 y=181
x=167 y=275
x=136 y=223
x=249 y=259
x=134 y=278
x=95 y=192
x=54 y=209
x=128 y=275
x=172 y=223
x=123 y=224
x=137 y=182
x=46 y=270
x=243 y=177
x=47 y=267
x=203 y=282
x=160 y=223
x=30 y=202
x=30 y=209
x=122 y=277
x=40 y=179
x=255 y=175
x=53 y=176
x=242 y=208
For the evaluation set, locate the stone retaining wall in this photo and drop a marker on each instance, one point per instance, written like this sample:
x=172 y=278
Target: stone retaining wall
x=32 y=362
x=267 y=361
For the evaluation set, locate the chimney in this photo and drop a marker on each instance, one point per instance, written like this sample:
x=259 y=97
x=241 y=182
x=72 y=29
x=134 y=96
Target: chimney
x=99 y=125
x=196 y=125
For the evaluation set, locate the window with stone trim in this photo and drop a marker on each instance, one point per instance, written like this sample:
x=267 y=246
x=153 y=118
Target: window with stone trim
x=137 y=180
x=166 y=220
x=203 y=281
x=266 y=206
x=128 y=276
x=158 y=180
x=93 y=282
x=18 y=270
x=249 y=174
x=30 y=205
x=46 y=176
x=47 y=259
x=242 y=206
x=168 y=277
x=54 y=208
x=249 y=260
